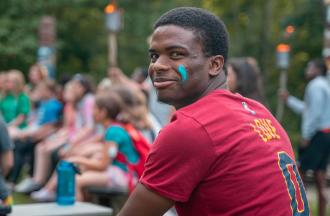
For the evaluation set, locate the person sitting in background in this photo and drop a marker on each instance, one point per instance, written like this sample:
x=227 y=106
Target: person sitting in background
x=47 y=118
x=37 y=73
x=6 y=163
x=98 y=161
x=244 y=78
x=15 y=104
x=136 y=112
x=82 y=129
x=139 y=99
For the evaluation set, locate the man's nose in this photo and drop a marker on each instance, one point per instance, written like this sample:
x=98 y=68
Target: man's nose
x=160 y=65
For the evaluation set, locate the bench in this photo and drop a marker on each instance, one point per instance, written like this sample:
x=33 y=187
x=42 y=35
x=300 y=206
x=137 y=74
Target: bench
x=52 y=209
x=112 y=197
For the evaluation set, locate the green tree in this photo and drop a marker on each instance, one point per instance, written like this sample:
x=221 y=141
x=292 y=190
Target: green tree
x=81 y=34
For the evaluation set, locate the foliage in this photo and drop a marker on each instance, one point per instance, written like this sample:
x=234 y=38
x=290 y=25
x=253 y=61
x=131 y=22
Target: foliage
x=81 y=34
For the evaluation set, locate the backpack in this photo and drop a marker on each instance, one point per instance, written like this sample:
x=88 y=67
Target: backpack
x=142 y=147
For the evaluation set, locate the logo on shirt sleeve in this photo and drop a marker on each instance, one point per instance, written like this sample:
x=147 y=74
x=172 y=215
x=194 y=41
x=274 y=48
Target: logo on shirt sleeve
x=265 y=129
x=247 y=108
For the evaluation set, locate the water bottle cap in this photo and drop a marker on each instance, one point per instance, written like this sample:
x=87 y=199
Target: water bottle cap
x=74 y=167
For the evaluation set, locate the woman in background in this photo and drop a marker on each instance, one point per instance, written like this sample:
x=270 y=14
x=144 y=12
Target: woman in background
x=244 y=78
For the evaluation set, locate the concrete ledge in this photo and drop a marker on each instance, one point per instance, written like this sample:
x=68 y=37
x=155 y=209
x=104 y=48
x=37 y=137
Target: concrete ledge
x=52 y=209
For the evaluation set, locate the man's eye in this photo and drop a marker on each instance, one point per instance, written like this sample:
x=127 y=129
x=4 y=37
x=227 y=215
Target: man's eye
x=176 y=54
x=153 y=57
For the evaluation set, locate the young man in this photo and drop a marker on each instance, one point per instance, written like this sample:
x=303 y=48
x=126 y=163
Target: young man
x=314 y=149
x=222 y=154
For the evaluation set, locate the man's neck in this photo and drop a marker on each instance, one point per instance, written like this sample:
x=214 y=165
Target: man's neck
x=217 y=82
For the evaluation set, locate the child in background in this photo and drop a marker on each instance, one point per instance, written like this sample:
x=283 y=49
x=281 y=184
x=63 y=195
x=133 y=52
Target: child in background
x=101 y=168
x=47 y=118
x=81 y=130
x=41 y=162
x=136 y=112
x=15 y=104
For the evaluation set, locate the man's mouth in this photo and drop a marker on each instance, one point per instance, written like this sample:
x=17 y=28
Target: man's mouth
x=161 y=83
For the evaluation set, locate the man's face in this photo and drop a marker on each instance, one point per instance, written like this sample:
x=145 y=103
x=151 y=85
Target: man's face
x=311 y=71
x=170 y=47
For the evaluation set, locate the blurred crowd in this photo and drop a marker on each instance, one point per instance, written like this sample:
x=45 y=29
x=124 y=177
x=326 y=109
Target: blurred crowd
x=69 y=119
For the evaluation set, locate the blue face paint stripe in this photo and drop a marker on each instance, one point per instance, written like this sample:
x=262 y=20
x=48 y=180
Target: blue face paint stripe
x=183 y=72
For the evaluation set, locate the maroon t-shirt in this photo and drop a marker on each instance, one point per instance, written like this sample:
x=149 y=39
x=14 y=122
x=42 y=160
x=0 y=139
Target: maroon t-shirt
x=226 y=155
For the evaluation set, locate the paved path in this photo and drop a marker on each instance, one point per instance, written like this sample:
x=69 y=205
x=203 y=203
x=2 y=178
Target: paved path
x=312 y=194
x=312 y=198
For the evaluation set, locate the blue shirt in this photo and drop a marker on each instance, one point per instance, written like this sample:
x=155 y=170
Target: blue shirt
x=49 y=112
x=124 y=144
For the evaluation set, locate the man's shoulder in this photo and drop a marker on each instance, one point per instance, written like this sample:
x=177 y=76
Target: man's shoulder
x=209 y=103
x=219 y=104
x=197 y=116
x=319 y=82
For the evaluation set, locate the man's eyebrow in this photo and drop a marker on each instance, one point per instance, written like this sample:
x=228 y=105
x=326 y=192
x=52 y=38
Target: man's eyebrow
x=169 y=48
x=175 y=47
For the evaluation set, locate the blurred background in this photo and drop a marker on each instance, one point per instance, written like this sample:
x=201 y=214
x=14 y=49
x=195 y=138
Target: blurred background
x=80 y=42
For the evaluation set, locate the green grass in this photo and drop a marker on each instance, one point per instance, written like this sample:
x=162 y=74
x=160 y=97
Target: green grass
x=313 y=207
x=21 y=198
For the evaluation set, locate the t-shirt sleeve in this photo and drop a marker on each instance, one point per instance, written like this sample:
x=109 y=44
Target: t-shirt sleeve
x=5 y=141
x=179 y=160
x=115 y=134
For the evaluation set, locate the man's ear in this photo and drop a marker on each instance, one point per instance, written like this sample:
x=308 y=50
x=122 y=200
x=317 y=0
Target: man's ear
x=216 y=65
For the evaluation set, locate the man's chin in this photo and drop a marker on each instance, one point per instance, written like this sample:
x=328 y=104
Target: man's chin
x=164 y=100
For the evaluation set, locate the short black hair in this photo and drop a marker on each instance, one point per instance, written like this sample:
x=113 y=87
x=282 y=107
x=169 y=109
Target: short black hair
x=210 y=29
x=320 y=64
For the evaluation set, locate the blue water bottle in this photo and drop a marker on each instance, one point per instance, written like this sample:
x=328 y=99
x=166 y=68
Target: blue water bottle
x=66 y=186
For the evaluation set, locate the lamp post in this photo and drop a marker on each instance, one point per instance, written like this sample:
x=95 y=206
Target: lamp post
x=282 y=62
x=113 y=26
x=47 y=38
